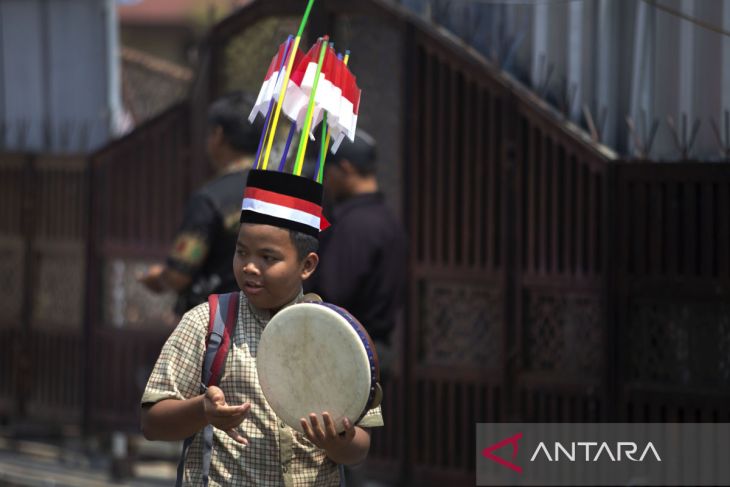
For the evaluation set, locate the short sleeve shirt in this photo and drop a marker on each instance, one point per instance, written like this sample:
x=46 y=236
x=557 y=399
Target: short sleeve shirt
x=276 y=454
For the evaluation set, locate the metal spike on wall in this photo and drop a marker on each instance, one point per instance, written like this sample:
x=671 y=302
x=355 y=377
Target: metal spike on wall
x=722 y=134
x=682 y=141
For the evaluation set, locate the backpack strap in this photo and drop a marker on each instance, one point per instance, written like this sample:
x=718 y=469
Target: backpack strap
x=221 y=325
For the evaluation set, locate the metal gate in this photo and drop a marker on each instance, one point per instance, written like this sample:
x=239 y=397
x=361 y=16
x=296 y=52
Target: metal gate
x=43 y=277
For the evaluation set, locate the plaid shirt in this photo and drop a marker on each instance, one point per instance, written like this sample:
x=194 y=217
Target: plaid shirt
x=276 y=454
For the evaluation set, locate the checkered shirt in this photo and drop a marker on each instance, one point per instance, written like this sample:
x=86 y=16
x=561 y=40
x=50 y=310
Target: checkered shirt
x=276 y=454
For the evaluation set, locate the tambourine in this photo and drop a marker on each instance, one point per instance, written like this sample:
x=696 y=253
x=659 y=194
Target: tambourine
x=315 y=357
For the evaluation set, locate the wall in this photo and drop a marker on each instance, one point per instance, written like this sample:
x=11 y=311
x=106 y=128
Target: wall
x=623 y=57
x=59 y=87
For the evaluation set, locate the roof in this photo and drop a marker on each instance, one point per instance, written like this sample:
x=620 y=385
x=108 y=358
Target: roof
x=150 y=85
x=173 y=12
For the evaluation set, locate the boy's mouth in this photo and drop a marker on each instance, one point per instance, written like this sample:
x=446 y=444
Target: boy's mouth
x=252 y=288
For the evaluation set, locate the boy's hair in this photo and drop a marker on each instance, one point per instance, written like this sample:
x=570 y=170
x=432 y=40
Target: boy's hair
x=305 y=244
x=230 y=113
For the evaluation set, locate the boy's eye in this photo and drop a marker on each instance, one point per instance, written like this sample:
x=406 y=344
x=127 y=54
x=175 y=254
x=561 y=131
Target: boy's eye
x=270 y=258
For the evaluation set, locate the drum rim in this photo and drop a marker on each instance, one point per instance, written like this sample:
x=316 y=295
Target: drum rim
x=370 y=349
x=355 y=328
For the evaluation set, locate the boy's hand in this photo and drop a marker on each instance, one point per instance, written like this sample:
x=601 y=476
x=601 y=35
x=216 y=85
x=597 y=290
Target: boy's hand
x=223 y=416
x=325 y=436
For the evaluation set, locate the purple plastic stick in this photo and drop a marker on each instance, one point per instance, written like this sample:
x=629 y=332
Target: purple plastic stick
x=286 y=147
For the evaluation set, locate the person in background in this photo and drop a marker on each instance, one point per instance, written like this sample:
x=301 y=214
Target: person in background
x=363 y=255
x=199 y=262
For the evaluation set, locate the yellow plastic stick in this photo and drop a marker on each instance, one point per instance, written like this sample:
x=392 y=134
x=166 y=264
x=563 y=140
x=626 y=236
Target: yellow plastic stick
x=277 y=109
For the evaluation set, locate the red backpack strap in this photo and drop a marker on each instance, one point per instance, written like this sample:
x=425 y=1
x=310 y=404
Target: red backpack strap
x=221 y=325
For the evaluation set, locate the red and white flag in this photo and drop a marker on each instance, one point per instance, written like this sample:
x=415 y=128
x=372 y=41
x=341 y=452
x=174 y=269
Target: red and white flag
x=271 y=86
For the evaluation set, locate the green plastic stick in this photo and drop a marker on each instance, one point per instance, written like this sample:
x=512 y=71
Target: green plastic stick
x=308 y=119
x=305 y=17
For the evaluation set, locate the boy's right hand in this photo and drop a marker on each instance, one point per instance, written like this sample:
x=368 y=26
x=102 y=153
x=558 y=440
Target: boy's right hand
x=223 y=416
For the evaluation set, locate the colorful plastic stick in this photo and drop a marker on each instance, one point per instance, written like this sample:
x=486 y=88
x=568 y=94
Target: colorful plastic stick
x=286 y=147
x=326 y=138
x=265 y=131
x=284 y=85
x=308 y=118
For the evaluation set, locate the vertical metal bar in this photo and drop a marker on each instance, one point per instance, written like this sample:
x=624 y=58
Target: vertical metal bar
x=594 y=223
x=690 y=229
x=497 y=165
x=467 y=178
x=440 y=165
x=554 y=208
x=468 y=421
x=723 y=229
x=451 y=424
x=657 y=244
x=642 y=222
x=672 y=235
x=414 y=158
x=543 y=205
x=427 y=168
x=482 y=218
x=580 y=208
x=528 y=266
x=570 y=212
x=429 y=411
x=708 y=239
x=453 y=164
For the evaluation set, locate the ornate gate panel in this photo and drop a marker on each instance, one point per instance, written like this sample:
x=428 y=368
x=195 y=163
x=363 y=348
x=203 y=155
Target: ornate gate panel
x=457 y=326
x=673 y=290
x=562 y=332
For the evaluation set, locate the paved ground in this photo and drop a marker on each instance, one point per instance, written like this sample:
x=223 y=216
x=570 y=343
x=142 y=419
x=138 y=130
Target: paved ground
x=47 y=464
x=37 y=463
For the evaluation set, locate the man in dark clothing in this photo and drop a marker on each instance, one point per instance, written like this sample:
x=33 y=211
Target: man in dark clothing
x=363 y=254
x=199 y=262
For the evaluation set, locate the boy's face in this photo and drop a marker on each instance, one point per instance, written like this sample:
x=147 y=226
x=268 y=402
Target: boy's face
x=267 y=267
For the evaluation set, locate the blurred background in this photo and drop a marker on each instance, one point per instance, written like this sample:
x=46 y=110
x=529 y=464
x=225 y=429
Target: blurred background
x=561 y=167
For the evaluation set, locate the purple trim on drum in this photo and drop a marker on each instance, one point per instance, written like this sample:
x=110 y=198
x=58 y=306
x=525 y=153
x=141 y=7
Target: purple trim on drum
x=369 y=348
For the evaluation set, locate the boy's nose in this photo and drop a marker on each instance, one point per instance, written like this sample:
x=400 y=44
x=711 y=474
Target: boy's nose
x=250 y=268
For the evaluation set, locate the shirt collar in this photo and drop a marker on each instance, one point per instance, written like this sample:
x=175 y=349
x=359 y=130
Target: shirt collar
x=264 y=315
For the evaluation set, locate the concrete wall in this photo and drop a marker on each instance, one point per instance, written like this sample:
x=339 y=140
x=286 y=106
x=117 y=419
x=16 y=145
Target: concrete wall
x=59 y=84
x=623 y=56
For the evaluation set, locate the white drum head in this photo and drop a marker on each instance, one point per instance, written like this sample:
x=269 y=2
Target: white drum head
x=311 y=360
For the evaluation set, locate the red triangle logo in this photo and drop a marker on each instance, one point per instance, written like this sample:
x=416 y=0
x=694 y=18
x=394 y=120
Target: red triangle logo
x=512 y=440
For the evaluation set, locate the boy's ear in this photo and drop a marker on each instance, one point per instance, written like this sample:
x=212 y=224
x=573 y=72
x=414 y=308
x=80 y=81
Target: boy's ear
x=309 y=264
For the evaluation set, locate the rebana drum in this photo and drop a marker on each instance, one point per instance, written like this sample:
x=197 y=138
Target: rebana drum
x=315 y=357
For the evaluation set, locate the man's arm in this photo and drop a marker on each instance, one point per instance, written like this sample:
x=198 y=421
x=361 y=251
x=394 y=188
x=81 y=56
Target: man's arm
x=189 y=250
x=161 y=278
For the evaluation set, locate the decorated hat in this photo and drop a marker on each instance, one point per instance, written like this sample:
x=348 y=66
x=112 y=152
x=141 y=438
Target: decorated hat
x=283 y=200
x=309 y=89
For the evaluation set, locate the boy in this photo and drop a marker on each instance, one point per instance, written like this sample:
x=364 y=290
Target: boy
x=275 y=252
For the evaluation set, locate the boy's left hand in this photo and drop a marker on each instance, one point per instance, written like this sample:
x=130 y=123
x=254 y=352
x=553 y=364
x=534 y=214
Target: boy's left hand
x=325 y=436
